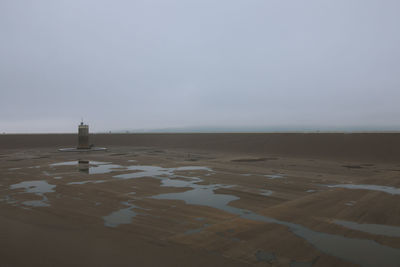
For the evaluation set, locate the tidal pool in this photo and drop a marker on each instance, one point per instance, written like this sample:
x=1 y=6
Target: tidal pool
x=350 y=203
x=382 y=188
x=142 y=171
x=38 y=188
x=275 y=176
x=266 y=193
x=360 y=251
x=91 y=167
x=37 y=203
x=377 y=229
x=87 y=182
x=122 y=216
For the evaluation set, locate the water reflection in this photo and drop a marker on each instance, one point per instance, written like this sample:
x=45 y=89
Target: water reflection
x=38 y=188
x=275 y=176
x=122 y=216
x=92 y=167
x=266 y=193
x=359 y=251
x=35 y=187
x=87 y=182
x=142 y=171
x=83 y=166
x=377 y=229
x=386 y=189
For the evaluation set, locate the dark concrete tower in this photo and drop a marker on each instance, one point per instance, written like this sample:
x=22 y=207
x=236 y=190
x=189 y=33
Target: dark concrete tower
x=83 y=136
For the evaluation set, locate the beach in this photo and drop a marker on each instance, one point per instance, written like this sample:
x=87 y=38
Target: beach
x=239 y=199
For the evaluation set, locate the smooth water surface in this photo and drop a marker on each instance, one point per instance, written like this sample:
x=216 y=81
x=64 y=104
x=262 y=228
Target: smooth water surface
x=92 y=167
x=122 y=216
x=359 y=251
x=266 y=193
x=382 y=188
x=275 y=176
x=38 y=188
x=142 y=171
x=377 y=229
x=87 y=182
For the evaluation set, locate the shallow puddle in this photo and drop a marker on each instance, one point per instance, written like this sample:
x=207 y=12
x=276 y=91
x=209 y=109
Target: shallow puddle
x=377 y=229
x=275 y=176
x=122 y=216
x=34 y=167
x=359 y=251
x=350 y=203
x=91 y=167
x=386 y=189
x=38 y=188
x=201 y=195
x=87 y=182
x=266 y=193
x=142 y=171
x=65 y=163
x=105 y=168
x=37 y=203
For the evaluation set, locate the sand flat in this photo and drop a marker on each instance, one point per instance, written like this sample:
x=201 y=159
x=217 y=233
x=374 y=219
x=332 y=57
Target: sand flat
x=195 y=200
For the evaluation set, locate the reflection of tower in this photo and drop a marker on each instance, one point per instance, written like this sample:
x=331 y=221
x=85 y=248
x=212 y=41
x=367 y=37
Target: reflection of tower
x=83 y=136
x=83 y=166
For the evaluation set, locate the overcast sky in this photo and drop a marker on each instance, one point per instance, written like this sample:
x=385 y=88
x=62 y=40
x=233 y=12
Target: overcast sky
x=151 y=64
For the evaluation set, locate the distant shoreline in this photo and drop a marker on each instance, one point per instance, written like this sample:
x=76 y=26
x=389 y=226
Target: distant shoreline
x=219 y=132
x=382 y=147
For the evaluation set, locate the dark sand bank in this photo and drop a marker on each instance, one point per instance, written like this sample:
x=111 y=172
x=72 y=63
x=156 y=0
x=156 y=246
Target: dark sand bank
x=383 y=147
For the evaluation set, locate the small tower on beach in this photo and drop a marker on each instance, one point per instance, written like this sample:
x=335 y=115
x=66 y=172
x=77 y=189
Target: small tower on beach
x=83 y=145
x=83 y=136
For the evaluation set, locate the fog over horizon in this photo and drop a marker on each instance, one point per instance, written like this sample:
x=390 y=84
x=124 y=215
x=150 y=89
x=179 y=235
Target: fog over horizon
x=151 y=64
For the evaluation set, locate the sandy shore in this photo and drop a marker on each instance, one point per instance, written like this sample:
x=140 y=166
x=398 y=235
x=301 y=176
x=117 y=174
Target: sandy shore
x=383 y=147
x=201 y=200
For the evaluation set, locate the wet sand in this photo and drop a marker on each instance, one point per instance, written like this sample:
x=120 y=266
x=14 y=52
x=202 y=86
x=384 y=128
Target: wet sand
x=201 y=199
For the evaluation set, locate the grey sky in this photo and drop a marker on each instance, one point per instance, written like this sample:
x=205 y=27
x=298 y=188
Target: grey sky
x=126 y=64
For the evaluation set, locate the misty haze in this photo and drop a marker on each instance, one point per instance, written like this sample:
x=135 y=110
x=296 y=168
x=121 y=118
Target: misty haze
x=143 y=65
